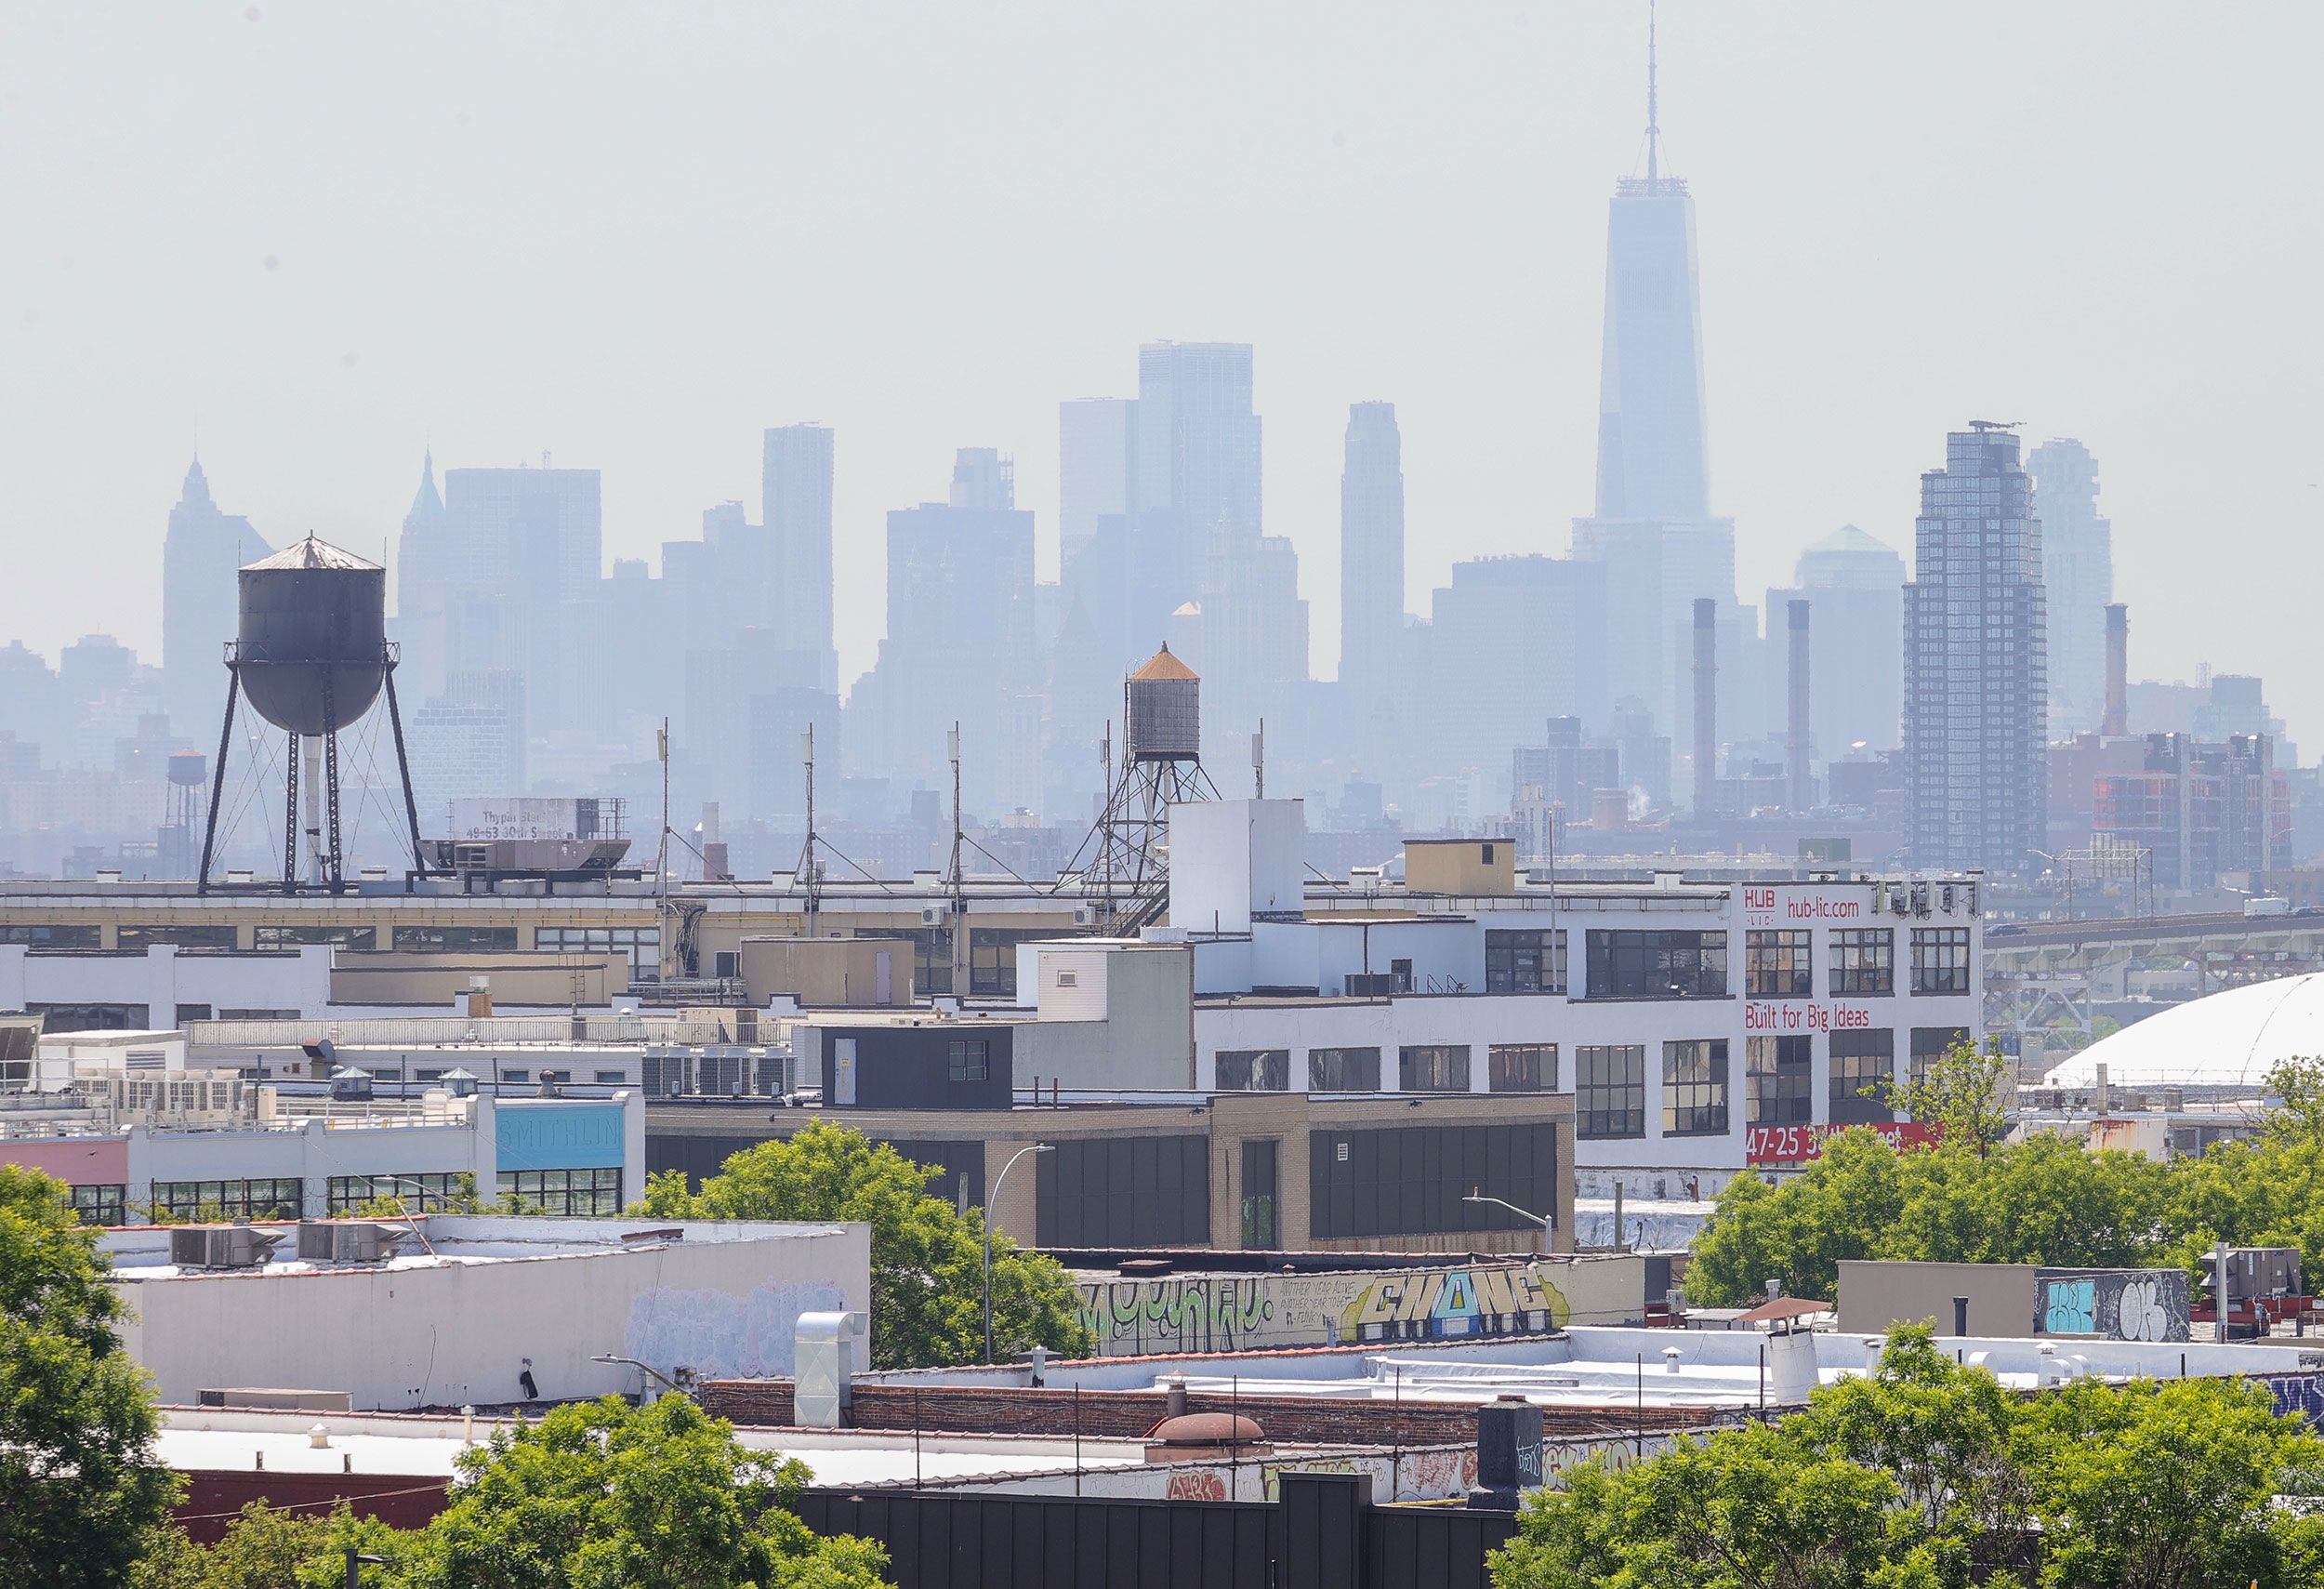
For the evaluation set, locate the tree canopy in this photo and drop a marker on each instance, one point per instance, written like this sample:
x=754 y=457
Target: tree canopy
x=926 y=1257
x=596 y=1495
x=81 y=1488
x=1932 y=1475
x=2041 y=1201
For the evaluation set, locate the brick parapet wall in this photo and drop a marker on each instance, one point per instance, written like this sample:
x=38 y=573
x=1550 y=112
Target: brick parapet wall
x=1129 y=1415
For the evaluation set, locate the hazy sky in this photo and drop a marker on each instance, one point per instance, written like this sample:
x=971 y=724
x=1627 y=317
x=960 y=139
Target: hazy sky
x=324 y=236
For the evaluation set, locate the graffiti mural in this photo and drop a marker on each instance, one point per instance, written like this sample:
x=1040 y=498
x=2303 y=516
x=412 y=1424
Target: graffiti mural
x=1192 y=1313
x=721 y=1336
x=1224 y=1313
x=2121 y=1304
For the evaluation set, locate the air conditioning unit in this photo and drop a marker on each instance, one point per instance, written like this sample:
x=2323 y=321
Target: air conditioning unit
x=1085 y=915
x=338 y=1241
x=931 y=914
x=220 y=1246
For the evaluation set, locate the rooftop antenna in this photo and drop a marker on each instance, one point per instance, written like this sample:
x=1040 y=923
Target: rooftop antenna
x=1259 y=761
x=1654 y=131
x=952 y=752
x=807 y=850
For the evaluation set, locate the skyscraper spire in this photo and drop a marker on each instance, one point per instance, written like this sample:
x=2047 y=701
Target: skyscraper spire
x=1654 y=131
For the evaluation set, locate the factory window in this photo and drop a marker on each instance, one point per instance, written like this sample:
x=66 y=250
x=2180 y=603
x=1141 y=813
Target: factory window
x=642 y=945
x=1695 y=1088
x=1940 y=960
x=75 y=938
x=233 y=1014
x=296 y=938
x=187 y=1013
x=611 y=1078
x=1522 y=1068
x=91 y=1017
x=1254 y=1069
x=564 y=1191
x=1779 y=1081
x=1931 y=1043
x=1414 y=1179
x=993 y=959
x=1863 y=961
x=1124 y=1191
x=1863 y=1071
x=1433 y=1067
x=455 y=940
x=1626 y=963
x=1343 y=1070
x=1524 y=960
x=932 y=956
x=1260 y=1192
x=968 y=1059
x=1610 y=1091
x=138 y=935
x=226 y=1199
x=1776 y=964
x=420 y=1194
x=101 y=1204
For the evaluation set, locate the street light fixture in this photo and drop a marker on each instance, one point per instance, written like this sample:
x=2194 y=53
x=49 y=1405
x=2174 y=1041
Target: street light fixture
x=641 y=1368
x=993 y=1200
x=1547 y=1221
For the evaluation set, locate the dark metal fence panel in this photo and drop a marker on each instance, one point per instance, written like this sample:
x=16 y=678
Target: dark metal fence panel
x=1439 y=1547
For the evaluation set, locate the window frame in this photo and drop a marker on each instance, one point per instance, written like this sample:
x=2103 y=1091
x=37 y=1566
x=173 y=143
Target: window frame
x=1507 y=1064
x=1251 y=1070
x=1778 y=1081
x=1433 y=1068
x=1779 y=962
x=1610 y=1091
x=1861 y=963
x=1940 y=961
x=1697 y=1085
x=1357 y=1057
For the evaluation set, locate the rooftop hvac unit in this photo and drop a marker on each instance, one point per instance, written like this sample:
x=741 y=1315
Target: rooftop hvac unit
x=931 y=914
x=340 y=1241
x=220 y=1246
x=1085 y=915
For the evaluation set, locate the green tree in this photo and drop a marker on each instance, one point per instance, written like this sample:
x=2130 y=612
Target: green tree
x=1965 y=1092
x=1930 y=1476
x=599 y=1496
x=81 y=1489
x=265 y=1547
x=927 y=1258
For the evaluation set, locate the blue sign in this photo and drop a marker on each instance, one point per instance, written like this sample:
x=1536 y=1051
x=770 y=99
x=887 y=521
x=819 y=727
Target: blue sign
x=557 y=1136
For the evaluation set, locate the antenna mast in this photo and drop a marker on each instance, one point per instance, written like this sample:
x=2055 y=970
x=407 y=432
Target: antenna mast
x=1654 y=131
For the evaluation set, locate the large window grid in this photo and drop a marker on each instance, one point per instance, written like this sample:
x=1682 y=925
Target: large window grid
x=1628 y=963
x=1940 y=960
x=297 y=937
x=1779 y=1081
x=1778 y=963
x=138 y=935
x=455 y=940
x=1610 y=1091
x=234 y=1199
x=1343 y=1070
x=1254 y=1069
x=1933 y=1043
x=1863 y=962
x=1863 y=1076
x=564 y=1191
x=1695 y=1087
x=993 y=958
x=102 y=1204
x=642 y=945
x=1525 y=959
x=1433 y=1068
x=76 y=937
x=430 y=1193
x=1522 y=1068
x=968 y=1059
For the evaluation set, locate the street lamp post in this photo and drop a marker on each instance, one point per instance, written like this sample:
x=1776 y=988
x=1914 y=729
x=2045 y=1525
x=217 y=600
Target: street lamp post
x=1547 y=1221
x=641 y=1368
x=992 y=1199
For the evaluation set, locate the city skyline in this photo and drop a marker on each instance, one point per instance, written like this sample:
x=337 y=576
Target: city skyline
x=1485 y=474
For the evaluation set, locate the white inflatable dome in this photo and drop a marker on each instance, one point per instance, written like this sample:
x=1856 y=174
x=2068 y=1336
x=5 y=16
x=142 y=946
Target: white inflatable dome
x=2229 y=1039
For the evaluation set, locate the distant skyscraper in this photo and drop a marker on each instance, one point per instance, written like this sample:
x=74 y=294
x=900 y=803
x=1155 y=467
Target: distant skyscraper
x=1855 y=588
x=1371 y=572
x=1511 y=643
x=796 y=487
x=1196 y=465
x=1094 y=439
x=1652 y=527
x=201 y=607
x=1976 y=661
x=2078 y=574
x=526 y=559
x=959 y=643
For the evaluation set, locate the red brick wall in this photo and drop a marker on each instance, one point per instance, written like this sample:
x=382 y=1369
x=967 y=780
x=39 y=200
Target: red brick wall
x=1297 y=1419
x=214 y=1496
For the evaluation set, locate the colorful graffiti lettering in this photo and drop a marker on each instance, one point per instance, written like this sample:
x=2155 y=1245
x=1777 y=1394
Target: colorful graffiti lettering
x=1195 y=1484
x=1435 y=1303
x=1191 y=1314
x=2073 y=1308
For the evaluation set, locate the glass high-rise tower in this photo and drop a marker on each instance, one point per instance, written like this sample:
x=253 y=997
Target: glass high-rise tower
x=1976 y=661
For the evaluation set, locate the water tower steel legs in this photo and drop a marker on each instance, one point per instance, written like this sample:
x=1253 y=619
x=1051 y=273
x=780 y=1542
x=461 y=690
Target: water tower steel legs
x=403 y=765
x=290 y=818
x=217 y=779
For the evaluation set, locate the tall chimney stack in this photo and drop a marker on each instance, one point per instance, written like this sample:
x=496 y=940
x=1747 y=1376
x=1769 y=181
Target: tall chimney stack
x=1705 y=703
x=2118 y=718
x=1795 y=745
